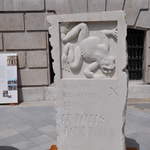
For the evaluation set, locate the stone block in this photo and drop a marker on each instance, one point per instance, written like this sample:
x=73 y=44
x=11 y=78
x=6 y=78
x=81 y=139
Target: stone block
x=139 y=90
x=32 y=77
x=21 y=5
x=21 y=59
x=90 y=82
x=1 y=45
x=114 y=5
x=27 y=40
x=132 y=8
x=143 y=20
x=36 y=21
x=11 y=22
x=51 y=5
x=37 y=59
x=67 y=6
x=50 y=94
x=31 y=94
x=96 y=5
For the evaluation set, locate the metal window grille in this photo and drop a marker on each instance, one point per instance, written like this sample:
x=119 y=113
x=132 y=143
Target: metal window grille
x=135 y=46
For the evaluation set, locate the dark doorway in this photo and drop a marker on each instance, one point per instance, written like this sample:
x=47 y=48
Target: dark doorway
x=135 y=47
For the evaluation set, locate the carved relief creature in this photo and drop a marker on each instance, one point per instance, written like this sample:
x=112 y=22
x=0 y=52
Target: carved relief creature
x=79 y=46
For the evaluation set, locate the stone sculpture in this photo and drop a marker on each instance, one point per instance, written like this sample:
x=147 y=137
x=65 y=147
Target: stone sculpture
x=89 y=49
x=90 y=109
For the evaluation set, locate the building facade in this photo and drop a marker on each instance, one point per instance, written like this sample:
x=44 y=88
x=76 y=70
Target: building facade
x=24 y=29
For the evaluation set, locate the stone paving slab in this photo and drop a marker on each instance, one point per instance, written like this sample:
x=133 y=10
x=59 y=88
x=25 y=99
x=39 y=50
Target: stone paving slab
x=138 y=126
x=28 y=126
x=32 y=126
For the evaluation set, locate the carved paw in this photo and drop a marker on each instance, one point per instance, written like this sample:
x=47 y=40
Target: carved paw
x=88 y=74
x=66 y=67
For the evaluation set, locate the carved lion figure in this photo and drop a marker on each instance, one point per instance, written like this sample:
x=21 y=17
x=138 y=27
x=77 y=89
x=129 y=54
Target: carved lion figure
x=89 y=49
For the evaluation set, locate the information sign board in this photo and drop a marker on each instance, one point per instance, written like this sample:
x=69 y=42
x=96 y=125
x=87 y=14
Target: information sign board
x=8 y=78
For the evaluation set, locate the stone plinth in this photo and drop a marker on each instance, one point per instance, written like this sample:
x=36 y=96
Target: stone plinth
x=89 y=52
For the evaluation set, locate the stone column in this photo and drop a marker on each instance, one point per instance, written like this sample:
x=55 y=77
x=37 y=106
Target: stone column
x=89 y=52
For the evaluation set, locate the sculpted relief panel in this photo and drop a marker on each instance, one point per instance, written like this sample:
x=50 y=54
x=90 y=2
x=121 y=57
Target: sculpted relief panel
x=87 y=53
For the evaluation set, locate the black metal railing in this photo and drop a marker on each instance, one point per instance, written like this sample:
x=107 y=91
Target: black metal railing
x=135 y=46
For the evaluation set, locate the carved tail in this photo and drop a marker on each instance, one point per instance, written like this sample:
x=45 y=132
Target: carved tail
x=107 y=45
x=77 y=62
x=72 y=57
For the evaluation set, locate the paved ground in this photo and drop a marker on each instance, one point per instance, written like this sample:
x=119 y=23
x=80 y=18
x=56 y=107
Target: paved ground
x=138 y=126
x=27 y=126
x=31 y=126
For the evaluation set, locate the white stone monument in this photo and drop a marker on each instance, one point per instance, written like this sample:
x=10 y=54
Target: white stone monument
x=89 y=52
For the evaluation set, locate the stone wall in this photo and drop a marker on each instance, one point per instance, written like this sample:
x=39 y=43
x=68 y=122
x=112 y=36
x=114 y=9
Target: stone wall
x=23 y=29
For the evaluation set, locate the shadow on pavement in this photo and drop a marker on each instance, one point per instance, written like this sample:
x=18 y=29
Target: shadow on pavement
x=129 y=143
x=132 y=143
x=8 y=148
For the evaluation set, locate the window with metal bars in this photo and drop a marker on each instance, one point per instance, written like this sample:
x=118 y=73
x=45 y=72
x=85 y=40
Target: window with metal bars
x=135 y=46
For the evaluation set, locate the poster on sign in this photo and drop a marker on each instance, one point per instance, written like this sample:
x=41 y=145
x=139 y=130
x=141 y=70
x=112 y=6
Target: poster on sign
x=8 y=78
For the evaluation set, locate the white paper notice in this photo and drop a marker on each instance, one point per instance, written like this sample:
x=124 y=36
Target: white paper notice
x=8 y=78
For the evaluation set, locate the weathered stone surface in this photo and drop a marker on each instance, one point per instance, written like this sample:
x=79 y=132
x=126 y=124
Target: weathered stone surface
x=143 y=19
x=31 y=94
x=36 y=21
x=37 y=59
x=139 y=91
x=1 y=46
x=96 y=5
x=51 y=5
x=21 y=59
x=91 y=97
x=50 y=94
x=11 y=22
x=30 y=77
x=21 y=5
x=67 y=6
x=29 y=40
x=132 y=8
x=114 y=5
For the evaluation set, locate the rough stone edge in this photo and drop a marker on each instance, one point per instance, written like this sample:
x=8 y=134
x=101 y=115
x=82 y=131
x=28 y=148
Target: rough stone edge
x=54 y=36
